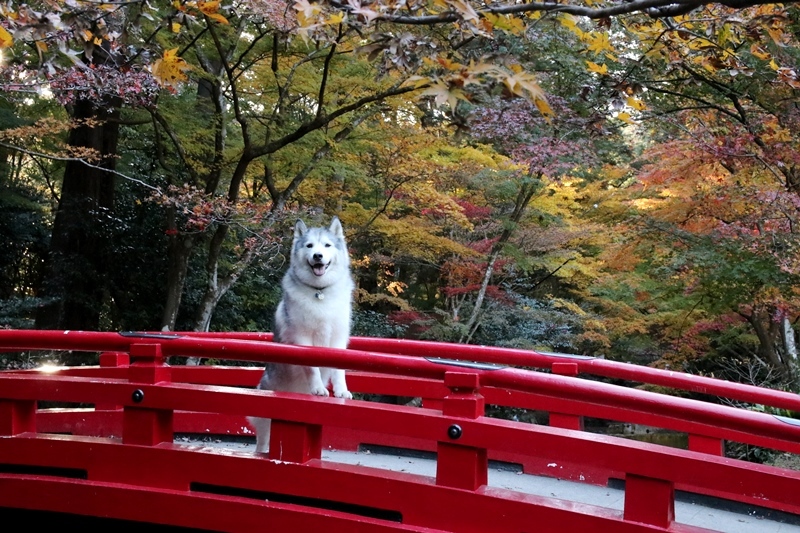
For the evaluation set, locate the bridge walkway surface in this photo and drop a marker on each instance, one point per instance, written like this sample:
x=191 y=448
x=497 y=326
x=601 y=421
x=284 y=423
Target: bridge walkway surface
x=690 y=509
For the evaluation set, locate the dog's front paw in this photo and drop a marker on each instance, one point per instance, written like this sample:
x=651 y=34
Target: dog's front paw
x=343 y=394
x=320 y=390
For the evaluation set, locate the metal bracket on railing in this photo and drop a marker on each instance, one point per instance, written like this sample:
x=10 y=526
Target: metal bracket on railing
x=143 y=335
x=787 y=420
x=465 y=364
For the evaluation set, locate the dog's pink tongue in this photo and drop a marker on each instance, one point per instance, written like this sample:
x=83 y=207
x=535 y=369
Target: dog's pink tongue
x=318 y=270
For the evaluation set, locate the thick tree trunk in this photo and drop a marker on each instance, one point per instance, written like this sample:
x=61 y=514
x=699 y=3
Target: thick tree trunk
x=771 y=342
x=76 y=266
x=179 y=251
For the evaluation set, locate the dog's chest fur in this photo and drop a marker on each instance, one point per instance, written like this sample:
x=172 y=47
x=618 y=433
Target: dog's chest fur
x=320 y=318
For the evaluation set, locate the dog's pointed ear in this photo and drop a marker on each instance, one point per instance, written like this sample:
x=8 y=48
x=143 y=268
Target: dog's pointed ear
x=300 y=228
x=336 y=228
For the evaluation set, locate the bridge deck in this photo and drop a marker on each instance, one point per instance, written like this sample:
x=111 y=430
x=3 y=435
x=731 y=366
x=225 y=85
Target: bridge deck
x=690 y=509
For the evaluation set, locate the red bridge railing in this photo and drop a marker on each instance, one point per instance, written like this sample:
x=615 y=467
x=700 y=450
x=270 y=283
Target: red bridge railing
x=113 y=454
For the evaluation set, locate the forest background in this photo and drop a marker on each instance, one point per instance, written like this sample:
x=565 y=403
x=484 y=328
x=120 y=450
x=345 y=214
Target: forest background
x=614 y=179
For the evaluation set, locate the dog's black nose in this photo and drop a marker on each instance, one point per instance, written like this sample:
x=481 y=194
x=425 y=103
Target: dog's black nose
x=317 y=257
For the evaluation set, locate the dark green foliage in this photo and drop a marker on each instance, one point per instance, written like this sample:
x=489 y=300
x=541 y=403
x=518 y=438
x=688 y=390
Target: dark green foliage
x=137 y=263
x=373 y=324
x=525 y=323
x=250 y=304
x=24 y=233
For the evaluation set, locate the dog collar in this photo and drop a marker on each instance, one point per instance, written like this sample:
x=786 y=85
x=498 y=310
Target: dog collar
x=318 y=290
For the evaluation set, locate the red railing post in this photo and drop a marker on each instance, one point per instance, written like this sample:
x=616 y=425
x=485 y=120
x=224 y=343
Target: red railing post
x=649 y=500
x=141 y=424
x=17 y=416
x=295 y=442
x=709 y=445
x=112 y=360
x=464 y=467
x=561 y=420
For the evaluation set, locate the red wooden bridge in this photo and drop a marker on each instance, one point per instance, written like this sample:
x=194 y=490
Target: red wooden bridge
x=100 y=441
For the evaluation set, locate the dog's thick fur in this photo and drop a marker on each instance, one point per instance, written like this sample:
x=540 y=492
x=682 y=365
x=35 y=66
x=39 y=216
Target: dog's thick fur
x=315 y=310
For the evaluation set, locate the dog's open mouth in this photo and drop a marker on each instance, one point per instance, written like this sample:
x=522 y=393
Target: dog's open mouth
x=319 y=268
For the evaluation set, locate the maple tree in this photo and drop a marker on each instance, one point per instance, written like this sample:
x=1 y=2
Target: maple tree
x=716 y=220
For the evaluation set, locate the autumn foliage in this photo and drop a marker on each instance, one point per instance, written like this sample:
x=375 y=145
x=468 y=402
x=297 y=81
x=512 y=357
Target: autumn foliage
x=614 y=179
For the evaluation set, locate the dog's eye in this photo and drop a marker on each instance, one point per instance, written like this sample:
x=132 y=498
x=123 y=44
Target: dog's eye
x=327 y=245
x=309 y=245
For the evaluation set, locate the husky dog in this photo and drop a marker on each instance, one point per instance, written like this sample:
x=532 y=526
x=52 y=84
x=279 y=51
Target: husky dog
x=314 y=311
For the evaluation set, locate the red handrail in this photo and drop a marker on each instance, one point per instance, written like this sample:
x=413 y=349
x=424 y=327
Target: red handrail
x=587 y=365
x=145 y=403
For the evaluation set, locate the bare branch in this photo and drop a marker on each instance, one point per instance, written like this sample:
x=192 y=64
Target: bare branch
x=653 y=8
x=53 y=157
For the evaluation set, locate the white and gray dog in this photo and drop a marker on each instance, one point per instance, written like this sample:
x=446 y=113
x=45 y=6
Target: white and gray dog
x=315 y=310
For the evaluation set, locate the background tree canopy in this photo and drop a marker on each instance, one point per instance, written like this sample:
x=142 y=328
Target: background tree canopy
x=615 y=179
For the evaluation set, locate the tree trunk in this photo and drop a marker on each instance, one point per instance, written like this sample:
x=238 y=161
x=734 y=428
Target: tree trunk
x=789 y=340
x=790 y=349
x=179 y=251
x=524 y=196
x=471 y=325
x=76 y=267
x=770 y=334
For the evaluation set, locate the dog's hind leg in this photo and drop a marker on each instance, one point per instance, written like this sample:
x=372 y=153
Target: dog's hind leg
x=263 y=426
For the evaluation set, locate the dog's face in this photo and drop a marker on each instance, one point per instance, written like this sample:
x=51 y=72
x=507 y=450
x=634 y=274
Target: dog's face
x=318 y=249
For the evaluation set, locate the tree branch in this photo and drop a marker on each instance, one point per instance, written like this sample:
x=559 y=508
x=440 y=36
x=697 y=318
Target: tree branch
x=653 y=8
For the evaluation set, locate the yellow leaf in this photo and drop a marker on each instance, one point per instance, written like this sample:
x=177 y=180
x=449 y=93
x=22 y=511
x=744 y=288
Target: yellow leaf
x=171 y=68
x=208 y=7
x=708 y=66
x=759 y=52
x=218 y=18
x=571 y=23
x=599 y=69
x=5 y=38
x=778 y=36
x=87 y=35
x=176 y=27
x=449 y=65
x=543 y=107
x=598 y=42
x=97 y=41
x=524 y=85
x=211 y=10
x=773 y=65
x=41 y=45
x=336 y=18
x=305 y=8
x=636 y=103
x=416 y=82
x=442 y=94
x=506 y=23
x=625 y=117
